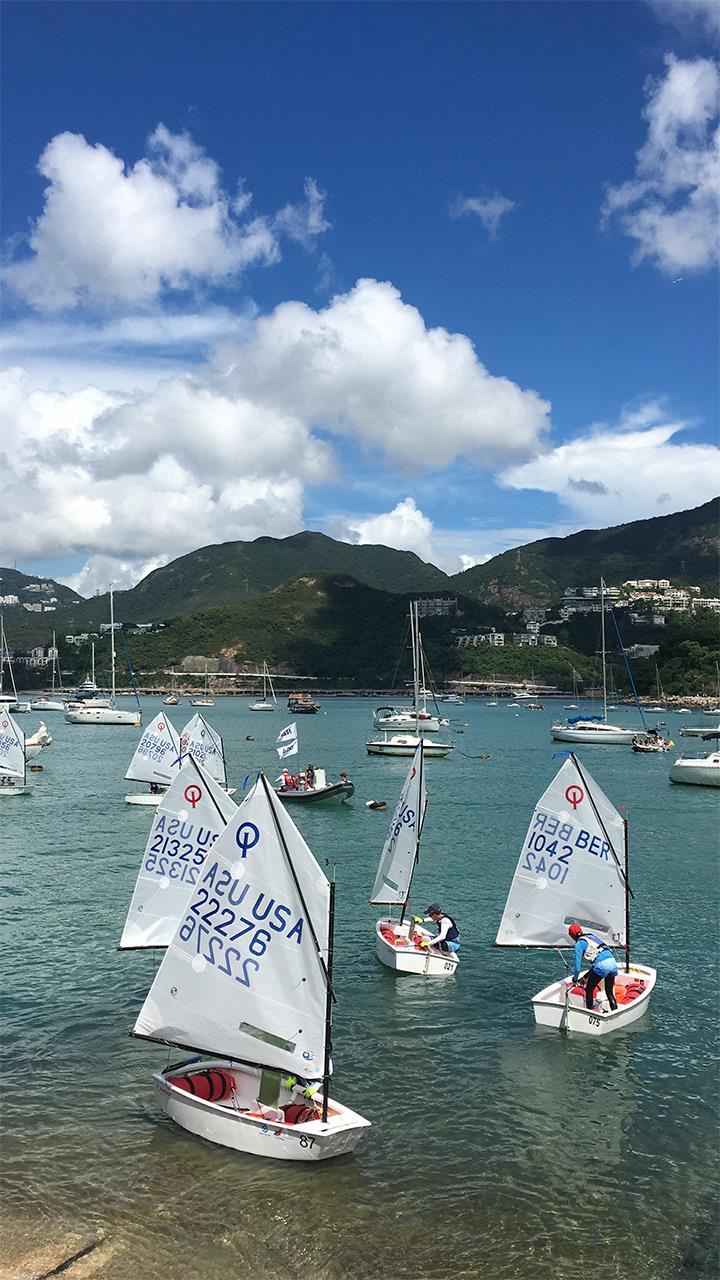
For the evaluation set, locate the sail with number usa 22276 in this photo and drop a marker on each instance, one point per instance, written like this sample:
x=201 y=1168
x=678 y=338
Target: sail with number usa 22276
x=571 y=868
x=190 y=817
x=245 y=975
x=397 y=860
x=157 y=757
x=12 y=747
x=205 y=746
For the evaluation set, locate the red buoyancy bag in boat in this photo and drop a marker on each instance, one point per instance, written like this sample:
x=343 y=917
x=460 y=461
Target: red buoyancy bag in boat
x=298 y=1113
x=624 y=993
x=214 y=1085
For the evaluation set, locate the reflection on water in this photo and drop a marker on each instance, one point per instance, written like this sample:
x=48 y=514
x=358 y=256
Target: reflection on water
x=498 y=1150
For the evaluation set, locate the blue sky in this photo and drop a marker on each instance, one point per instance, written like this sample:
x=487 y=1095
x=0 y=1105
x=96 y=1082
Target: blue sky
x=437 y=275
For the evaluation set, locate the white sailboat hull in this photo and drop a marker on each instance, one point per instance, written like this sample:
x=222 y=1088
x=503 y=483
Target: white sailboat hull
x=604 y=734
x=229 y=1126
x=102 y=715
x=262 y=706
x=145 y=798
x=404 y=745
x=696 y=731
x=409 y=722
x=404 y=957
x=700 y=773
x=8 y=791
x=553 y=1007
x=47 y=704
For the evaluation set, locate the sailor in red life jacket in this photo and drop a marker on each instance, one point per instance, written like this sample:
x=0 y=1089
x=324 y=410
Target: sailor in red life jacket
x=592 y=950
x=288 y=781
x=447 y=937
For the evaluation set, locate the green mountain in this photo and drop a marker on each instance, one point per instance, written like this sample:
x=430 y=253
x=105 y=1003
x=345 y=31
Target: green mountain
x=682 y=547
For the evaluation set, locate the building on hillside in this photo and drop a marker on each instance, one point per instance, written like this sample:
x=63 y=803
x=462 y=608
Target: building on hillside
x=33 y=608
x=550 y=641
x=525 y=638
x=487 y=637
x=707 y=602
x=10 y=602
x=437 y=607
x=642 y=650
x=533 y=613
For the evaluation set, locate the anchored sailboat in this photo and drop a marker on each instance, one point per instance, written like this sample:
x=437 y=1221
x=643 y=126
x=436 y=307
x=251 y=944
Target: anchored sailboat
x=592 y=728
x=191 y=815
x=263 y=704
x=574 y=867
x=247 y=980
x=156 y=762
x=91 y=711
x=13 y=765
x=205 y=700
x=52 y=703
x=399 y=944
x=8 y=701
x=415 y=722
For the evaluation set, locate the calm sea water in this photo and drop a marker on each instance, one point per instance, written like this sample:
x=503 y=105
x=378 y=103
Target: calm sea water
x=497 y=1150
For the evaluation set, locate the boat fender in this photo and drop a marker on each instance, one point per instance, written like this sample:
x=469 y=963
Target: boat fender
x=213 y=1085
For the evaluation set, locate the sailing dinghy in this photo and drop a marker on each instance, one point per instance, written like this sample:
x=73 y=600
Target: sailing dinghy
x=247 y=981
x=573 y=867
x=156 y=762
x=399 y=944
x=201 y=741
x=13 y=765
x=191 y=815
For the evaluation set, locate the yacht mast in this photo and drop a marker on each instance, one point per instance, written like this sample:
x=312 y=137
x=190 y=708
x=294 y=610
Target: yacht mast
x=112 y=644
x=602 y=647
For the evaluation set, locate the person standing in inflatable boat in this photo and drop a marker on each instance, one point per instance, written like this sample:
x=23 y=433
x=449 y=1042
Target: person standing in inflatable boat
x=591 y=950
x=447 y=937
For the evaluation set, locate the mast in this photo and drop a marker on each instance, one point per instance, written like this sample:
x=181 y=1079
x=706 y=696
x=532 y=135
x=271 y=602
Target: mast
x=627 y=901
x=2 y=649
x=328 y=1004
x=602 y=647
x=416 y=661
x=418 y=829
x=54 y=660
x=92 y=661
x=112 y=643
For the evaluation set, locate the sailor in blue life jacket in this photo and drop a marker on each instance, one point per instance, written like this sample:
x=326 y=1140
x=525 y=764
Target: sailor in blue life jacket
x=447 y=937
x=593 y=951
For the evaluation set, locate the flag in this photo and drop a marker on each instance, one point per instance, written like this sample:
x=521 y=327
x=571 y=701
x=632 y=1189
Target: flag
x=289 y=734
x=289 y=749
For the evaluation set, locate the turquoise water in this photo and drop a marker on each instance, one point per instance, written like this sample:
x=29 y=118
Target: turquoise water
x=498 y=1150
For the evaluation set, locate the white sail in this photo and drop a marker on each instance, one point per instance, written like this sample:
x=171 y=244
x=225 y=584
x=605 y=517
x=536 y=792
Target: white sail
x=191 y=816
x=157 y=758
x=571 y=867
x=397 y=860
x=12 y=747
x=206 y=746
x=243 y=977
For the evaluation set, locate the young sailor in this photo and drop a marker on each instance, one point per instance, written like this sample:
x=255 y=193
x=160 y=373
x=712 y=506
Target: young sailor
x=447 y=937
x=592 y=950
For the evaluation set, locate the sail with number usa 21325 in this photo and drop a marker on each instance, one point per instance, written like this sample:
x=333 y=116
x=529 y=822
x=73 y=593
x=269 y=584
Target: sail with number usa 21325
x=190 y=817
x=572 y=867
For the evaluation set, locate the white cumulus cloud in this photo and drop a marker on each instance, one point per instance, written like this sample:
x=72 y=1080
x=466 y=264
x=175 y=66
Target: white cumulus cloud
x=630 y=471
x=112 y=233
x=405 y=528
x=489 y=209
x=671 y=208
x=368 y=368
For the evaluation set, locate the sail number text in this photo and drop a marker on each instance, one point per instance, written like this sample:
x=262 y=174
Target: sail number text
x=551 y=843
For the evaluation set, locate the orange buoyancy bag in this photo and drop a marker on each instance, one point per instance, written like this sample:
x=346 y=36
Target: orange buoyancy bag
x=298 y=1113
x=213 y=1085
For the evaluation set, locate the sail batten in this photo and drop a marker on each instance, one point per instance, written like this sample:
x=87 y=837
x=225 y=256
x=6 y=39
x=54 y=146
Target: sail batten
x=245 y=974
x=399 y=855
x=571 y=867
x=157 y=757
